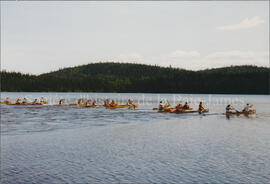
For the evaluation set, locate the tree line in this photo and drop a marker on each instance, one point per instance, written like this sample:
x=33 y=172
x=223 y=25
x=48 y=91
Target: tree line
x=139 y=78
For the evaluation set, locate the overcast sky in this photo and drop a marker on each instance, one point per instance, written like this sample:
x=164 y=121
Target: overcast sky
x=39 y=37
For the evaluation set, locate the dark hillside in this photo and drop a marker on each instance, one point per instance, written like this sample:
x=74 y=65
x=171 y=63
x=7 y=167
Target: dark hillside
x=126 y=77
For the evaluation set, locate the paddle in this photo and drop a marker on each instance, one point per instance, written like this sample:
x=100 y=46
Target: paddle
x=235 y=109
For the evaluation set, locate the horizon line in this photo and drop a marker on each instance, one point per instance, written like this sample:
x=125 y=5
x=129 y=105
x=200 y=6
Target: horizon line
x=111 y=62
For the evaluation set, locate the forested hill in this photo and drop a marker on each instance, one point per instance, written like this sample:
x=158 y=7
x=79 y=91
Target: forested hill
x=124 y=77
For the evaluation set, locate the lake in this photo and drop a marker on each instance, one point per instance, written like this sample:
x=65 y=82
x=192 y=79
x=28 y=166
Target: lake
x=65 y=144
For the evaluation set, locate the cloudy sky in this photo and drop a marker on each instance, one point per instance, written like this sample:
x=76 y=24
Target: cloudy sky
x=39 y=37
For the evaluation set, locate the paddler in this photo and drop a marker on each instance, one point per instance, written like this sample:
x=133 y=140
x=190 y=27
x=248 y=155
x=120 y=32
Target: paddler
x=87 y=102
x=94 y=103
x=25 y=101
x=106 y=103
x=166 y=106
x=229 y=108
x=247 y=108
x=80 y=101
x=43 y=101
x=130 y=102
x=201 y=108
x=186 y=106
x=18 y=101
x=35 y=101
x=179 y=107
x=7 y=101
x=160 y=107
x=61 y=101
x=113 y=104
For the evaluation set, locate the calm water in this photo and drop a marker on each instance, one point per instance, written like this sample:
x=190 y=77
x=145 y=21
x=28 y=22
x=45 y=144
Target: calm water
x=51 y=144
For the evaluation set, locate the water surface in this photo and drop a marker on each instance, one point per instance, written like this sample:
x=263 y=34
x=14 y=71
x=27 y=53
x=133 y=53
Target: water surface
x=51 y=144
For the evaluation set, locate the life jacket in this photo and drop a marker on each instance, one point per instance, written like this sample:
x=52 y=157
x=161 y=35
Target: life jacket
x=185 y=106
x=228 y=109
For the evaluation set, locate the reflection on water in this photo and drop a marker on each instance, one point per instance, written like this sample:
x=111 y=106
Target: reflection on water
x=52 y=144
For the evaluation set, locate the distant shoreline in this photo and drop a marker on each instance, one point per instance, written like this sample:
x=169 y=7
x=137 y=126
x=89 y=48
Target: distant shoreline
x=139 y=78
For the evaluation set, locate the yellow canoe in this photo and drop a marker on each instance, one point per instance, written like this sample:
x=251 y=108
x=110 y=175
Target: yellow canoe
x=173 y=108
x=27 y=104
x=73 y=104
x=190 y=111
x=123 y=106
x=162 y=111
x=93 y=106
x=6 y=102
x=61 y=105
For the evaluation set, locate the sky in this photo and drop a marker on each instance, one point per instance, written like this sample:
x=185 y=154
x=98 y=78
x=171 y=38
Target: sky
x=39 y=37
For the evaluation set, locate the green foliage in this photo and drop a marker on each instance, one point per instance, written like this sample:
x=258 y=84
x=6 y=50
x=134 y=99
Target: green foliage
x=126 y=77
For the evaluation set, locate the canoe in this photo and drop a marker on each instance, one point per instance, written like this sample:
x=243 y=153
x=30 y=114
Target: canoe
x=163 y=111
x=81 y=105
x=203 y=111
x=5 y=102
x=73 y=104
x=117 y=107
x=191 y=111
x=241 y=112
x=92 y=105
x=156 y=108
x=133 y=106
x=173 y=108
x=27 y=104
x=253 y=111
x=123 y=106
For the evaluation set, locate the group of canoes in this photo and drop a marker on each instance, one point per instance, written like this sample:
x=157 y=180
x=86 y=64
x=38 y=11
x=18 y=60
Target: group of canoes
x=25 y=101
x=179 y=108
x=247 y=110
x=88 y=103
x=229 y=110
x=107 y=104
